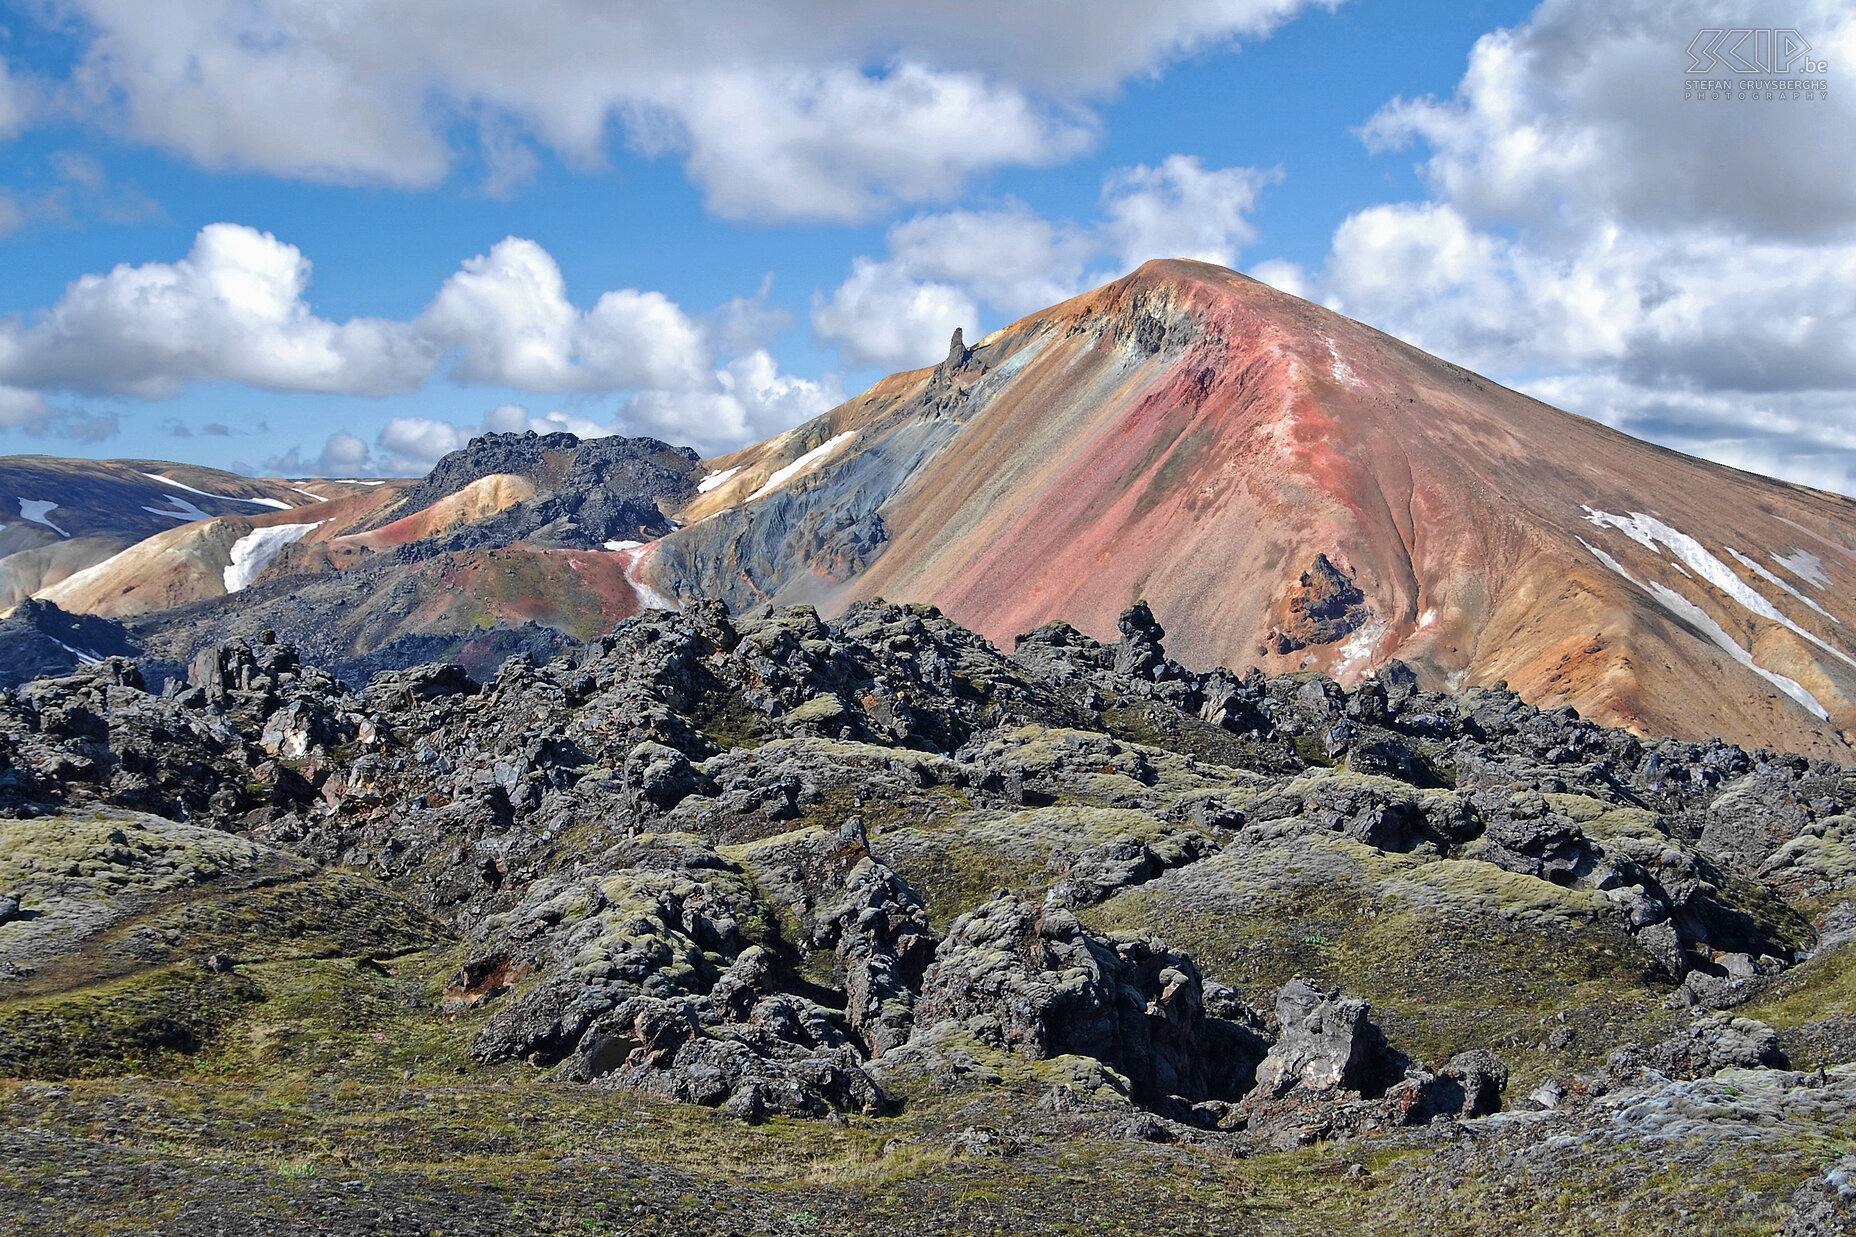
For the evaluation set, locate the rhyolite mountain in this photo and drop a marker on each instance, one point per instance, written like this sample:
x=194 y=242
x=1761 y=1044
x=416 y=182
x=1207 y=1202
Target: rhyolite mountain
x=60 y=516
x=1289 y=488
x=1283 y=486
x=514 y=543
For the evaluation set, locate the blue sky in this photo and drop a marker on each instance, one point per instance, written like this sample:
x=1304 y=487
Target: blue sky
x=776 y=213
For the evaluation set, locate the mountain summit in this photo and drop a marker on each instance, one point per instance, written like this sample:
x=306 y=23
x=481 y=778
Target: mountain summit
x=1287 y=487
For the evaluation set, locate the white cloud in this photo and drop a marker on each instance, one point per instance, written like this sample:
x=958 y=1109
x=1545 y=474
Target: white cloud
x=21 y=407
x=750 y=399
x=16 y=103
x=343 y=455
x=1578 y=116
x=749 y=322
x=1290 y=277
x=1582 y=242
x=1181 y=209
x=814 y=109
x=508 y=316
x=843 y=144
x=232 y=309
x=746 y=399
x=882 y=315
x=941 y=268
x=1012 y=258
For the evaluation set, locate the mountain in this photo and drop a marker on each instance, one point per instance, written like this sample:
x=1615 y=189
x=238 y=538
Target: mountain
x=39 y=639
x=1283 y=486
x=1289 y=488
x=516 y=543
x=60 y=516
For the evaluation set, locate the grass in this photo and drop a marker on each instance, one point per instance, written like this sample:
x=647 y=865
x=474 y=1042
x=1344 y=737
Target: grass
x=152 y=1021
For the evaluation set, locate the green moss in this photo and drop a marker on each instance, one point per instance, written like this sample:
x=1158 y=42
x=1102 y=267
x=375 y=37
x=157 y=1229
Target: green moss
x=728 y=720
x=333 y=914
x=1190 y=736
x=147 y=1023
x=1450 y=957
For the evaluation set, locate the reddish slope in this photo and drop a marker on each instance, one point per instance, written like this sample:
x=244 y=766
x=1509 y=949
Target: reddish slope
x=1194 y=437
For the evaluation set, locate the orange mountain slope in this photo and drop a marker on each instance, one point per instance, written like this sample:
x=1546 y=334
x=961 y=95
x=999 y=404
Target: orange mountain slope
x=1290 y=488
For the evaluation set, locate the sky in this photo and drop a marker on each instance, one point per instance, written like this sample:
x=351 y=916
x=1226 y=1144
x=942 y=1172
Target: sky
x=341 y=237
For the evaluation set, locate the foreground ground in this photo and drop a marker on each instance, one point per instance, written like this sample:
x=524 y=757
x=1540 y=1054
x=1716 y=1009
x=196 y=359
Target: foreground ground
x=769 y=926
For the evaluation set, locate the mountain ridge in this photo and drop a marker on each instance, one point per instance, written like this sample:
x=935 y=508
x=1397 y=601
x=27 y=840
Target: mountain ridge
x=1284 y=486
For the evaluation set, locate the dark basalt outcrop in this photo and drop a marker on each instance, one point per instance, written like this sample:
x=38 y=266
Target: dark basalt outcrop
x=710 y=856
x=591 y=490
x=1324 y=606
x=38 y=638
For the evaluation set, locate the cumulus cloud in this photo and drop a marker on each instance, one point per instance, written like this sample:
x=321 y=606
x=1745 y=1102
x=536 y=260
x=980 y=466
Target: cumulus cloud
x=1581 y=242
x=343 y=455
x=1181 y=209
x=843 y=144
x=750 y=398
x=805 y=110
x=940 y=268
x=232 y=309
x=884 y=315
x=21 y=407
x=1578 y=116
x=749 y=322
x=745 y=399
x=508 y=317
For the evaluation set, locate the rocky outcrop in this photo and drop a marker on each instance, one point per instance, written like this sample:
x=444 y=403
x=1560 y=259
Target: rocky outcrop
x=1714 y=1042
x=882 y=940
x=713 y=856
x=38 y=639
x=592 y=491
x=1324 y=607
x=1032 y=981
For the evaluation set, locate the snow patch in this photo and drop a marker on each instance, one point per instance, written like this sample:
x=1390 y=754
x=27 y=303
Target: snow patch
x=1428 y=617
x=83 y=658
x=1648 y=531
x=253 y=552
x=224 y=498
x=810 y=459
x=1774 y=580
x=187 y=514
x=1358 y=647
x=1805 y=565
x=1683 y=608
x=623 y=545
x=715 y=479
x=36 y=509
